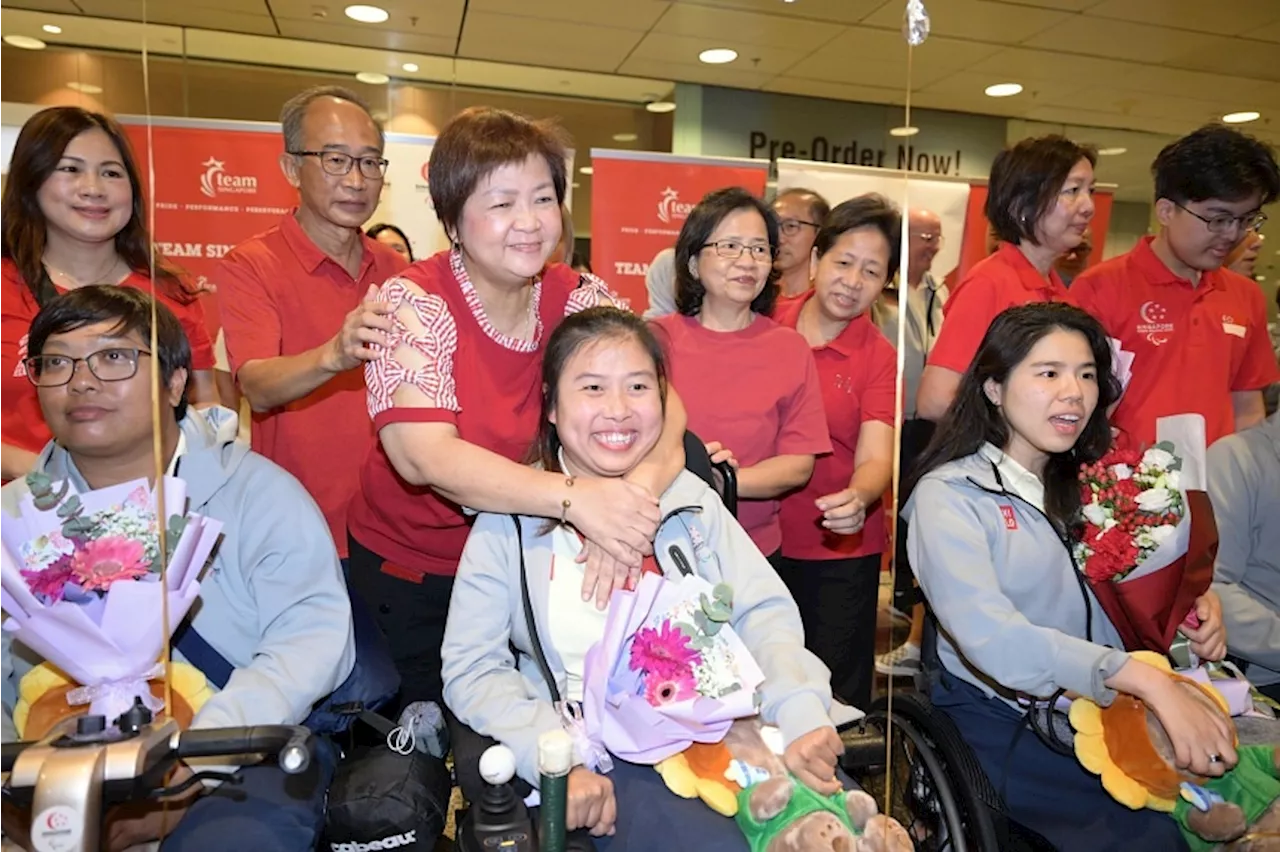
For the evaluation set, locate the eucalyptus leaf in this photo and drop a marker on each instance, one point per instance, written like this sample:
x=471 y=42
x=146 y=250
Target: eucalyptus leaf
x=39 y=483
x=723 y=592
x=713 y=628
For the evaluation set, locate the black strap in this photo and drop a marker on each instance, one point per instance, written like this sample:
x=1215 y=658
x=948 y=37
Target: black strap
x=529 y=622
x=198 y=652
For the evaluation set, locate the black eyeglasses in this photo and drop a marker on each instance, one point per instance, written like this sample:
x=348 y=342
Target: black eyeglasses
x=107 y=365
x=338 y=164
x=791 y=227
x=1222 y=224
x=733 y=249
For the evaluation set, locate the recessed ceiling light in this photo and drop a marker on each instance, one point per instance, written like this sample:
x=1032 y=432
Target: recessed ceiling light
x=367 y=14
x=52 y=28
x=905 y=130
x=411 y=67
x=576 y=184
x=373 y=78
x=24 y=42
x=1111 y=152
x=1241 y=117
x=718 y=55
x=84 y=88
x=660 y=106
x=1003 y=90
x=625 y=137
x=586 y=170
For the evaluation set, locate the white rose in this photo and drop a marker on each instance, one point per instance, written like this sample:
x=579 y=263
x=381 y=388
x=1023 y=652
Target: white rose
x=1173 y=479
x=1122 y=471
x=1161 y=534
x=1157 y=458
x=1154 y=500
x=1095 y=514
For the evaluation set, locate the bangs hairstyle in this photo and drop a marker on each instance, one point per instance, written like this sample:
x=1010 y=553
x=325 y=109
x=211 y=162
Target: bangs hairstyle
x=480 y=140
x=703 y=220
x=866 y=211
x=594 y=325
x=819 y=209
x=1216 y=162
x=130 y=311
x=1025 y=182
x=40 y=146
x=973 y=419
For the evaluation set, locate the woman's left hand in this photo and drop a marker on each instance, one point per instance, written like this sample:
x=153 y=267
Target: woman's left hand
x=1209 y=640
x=604 y=575
x=843 y=513
x=812 y=758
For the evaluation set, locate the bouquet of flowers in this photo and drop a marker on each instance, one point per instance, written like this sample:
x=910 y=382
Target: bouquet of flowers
x=669 y=671
x=82 y=587
x=1149 y=541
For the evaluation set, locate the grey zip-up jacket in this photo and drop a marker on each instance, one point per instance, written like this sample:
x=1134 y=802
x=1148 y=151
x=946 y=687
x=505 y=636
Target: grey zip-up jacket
x=1010 y=604
x=1244 y=486
x=507 y=698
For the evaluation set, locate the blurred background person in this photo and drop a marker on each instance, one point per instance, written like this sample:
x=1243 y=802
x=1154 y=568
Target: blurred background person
x=1076 y=260
x=393 y=238
x=800 y=213
x=1244 y=257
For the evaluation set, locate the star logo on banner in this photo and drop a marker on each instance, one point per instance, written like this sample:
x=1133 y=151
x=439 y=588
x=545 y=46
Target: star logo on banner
x=214 y=164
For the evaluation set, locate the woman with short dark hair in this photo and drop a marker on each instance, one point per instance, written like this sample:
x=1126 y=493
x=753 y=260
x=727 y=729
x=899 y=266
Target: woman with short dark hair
x=1039 y=204
x=456 y=395
x=750 y=385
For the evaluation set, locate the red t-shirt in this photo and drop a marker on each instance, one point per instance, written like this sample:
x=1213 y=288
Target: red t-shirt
x=1004 y=280
x=858 y=373
x=756 y=391
x=23 y=423
x=465 y=372
x=1193 y=345
x=281 y=295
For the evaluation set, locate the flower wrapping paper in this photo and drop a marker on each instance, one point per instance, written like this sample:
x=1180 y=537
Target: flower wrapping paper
x=109 y=644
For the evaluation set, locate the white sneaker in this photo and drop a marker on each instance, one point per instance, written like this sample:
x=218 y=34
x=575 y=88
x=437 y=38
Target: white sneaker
x=902 y=661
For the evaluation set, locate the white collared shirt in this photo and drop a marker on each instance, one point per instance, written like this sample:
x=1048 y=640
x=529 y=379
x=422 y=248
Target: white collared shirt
x=178 y=452
x=1017 y=479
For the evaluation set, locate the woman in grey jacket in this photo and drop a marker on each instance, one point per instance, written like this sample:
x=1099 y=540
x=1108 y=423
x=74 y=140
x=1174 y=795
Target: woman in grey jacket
x=603 y=397
x=991 y=525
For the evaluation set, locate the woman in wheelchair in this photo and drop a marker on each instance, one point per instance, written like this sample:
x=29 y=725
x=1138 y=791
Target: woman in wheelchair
x=604 y=389
x=992 y=519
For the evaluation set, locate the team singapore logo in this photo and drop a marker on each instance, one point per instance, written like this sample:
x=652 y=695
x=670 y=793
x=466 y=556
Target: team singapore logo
x=394 y=841
x=670 y=207
x=1154 y=324
x=215 y=180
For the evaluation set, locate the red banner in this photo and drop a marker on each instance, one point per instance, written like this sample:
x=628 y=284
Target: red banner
x=639 y=203
x=216 y=185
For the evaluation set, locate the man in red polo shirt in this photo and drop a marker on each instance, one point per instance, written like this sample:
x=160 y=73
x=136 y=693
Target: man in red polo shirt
x=296 y=303
x=1198 y=331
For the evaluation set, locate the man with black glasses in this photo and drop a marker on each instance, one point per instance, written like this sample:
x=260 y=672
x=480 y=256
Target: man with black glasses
x=800 y=213
x=1198 y=332
x=296 y=302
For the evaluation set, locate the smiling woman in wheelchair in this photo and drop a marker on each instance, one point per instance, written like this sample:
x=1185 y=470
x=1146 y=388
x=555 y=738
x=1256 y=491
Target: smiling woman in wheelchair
x=604 y=388
x=991 y=524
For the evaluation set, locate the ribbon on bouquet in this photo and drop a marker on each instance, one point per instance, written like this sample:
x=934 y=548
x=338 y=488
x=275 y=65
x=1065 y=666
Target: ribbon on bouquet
x=593 y=755
x=111 y=698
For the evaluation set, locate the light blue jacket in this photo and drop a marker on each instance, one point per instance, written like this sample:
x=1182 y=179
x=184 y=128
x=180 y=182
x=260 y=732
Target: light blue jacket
x=1005 y=592
x=1244 y=486
x=272 y=601
x=507 y=698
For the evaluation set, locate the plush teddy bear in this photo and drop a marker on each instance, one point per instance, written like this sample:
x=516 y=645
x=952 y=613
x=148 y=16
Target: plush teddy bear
x=743 y=777
x=1127 y=746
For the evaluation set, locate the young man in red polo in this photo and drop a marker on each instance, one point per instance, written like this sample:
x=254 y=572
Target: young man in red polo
x=295 y=302
x=1198 y=331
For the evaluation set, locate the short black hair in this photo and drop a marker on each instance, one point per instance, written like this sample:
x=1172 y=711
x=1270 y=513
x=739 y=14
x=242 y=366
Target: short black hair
x=373 y=232
x=130 y=309
x=703 y=220
x=1025 y=181
x=1216 y=162
x=865 y=211
x=821 y=209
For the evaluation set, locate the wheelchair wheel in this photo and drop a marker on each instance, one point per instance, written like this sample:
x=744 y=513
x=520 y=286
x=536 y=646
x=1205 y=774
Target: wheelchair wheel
x=935 y=792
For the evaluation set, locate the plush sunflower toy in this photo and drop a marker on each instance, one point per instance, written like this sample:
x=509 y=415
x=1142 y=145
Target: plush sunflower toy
x=1127 y=747
x=42 y=698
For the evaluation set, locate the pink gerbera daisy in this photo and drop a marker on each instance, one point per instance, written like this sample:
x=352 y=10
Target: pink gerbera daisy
x=666 y=690
x=662 y=653
x=108 y=559
x=49 y=583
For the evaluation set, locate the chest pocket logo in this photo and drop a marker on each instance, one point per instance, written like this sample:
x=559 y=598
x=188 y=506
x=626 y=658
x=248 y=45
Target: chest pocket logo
x=1010 y=519
x=1154 y=323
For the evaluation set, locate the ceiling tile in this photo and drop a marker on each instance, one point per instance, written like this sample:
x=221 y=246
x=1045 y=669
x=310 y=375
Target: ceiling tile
x=881 y=59
x=747 y=27
x=367 y=37
x=1268 y=33
x=683 y=50
x=64 y=6
x=1236 y=56
x=712 y=75
x=1063 y=5
x=492 y=75
x=1193 y=15
x=837 y=11
x=629 y=15
x=414 y=17
x=241 y=16
x=1017 y=64
x=834 y=91
x=1118 y=39
x=975 y=19
x=506 y=38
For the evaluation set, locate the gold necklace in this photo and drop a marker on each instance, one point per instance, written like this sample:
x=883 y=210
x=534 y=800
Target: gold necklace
x=96 y=278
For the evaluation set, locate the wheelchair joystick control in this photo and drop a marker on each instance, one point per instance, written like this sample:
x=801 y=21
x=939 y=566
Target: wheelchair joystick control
x=499 y=820
x=135 y=718
x=90 y=725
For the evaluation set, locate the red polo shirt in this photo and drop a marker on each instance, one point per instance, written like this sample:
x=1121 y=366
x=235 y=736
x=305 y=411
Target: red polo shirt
x=1004 y=280
x=23 y=422
x=1193 y=345
x=858 y=373
x=756 y=391
x=281 y=295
